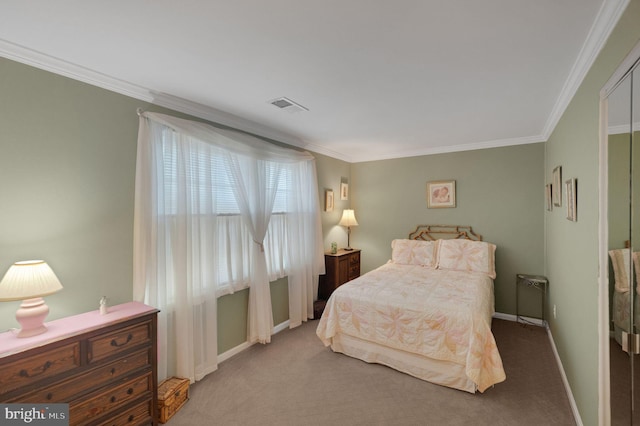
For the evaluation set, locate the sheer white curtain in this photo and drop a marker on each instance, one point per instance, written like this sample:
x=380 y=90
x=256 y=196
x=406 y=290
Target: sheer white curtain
x=255 y=183
x=205 y=226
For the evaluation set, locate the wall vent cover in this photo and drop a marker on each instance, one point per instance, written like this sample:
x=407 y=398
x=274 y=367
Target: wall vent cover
x=288 y=105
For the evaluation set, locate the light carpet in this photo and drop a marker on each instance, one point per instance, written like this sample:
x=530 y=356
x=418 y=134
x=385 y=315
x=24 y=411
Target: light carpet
x=295 y=380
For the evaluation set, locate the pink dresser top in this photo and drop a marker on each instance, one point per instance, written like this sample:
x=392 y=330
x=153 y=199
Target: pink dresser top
x=73 y=325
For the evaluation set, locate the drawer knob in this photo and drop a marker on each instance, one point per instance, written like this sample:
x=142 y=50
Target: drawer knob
x=131 y=417
x=113 y=399
x=113 y=371
x=130 y=391
x=49 y=396
x=45 y=367
x=115 y=343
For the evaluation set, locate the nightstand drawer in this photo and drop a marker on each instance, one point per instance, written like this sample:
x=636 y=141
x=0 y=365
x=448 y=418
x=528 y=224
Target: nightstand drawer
x=119 y=341
x=21 y=373
x=354 y=271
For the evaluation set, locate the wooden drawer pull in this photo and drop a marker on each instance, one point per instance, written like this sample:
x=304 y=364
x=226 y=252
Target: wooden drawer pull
x=49 y=396
x=117 y=345
x=131 y=417
x=113 y=399
x=45 y=367
x=130 y=391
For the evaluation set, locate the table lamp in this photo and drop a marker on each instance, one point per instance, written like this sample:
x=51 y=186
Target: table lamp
x=29 y=281
x=348 y=220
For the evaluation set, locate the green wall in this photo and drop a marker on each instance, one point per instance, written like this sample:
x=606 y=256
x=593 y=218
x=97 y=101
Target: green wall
x=499 y=192
x=572 y=247
x=331 y=173
x=67 y=168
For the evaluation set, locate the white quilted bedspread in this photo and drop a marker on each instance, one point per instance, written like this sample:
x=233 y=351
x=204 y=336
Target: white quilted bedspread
x=444 y=315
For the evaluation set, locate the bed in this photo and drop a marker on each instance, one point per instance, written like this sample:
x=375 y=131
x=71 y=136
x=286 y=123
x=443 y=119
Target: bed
x=426 y=312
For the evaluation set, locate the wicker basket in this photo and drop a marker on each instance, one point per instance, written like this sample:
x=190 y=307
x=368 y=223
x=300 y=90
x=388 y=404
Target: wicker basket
x=173 y=393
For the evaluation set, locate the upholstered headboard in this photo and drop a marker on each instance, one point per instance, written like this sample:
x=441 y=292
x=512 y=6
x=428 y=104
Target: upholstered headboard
x=435 y=232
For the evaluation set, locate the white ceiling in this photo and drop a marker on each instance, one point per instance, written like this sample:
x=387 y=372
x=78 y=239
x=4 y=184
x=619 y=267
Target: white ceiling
x=381 y=79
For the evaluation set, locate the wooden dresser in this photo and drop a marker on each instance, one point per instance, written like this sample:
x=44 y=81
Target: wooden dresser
x=103 y=366
x=340 y=267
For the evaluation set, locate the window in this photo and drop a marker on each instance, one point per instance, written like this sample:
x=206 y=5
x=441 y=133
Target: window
x=216 y=211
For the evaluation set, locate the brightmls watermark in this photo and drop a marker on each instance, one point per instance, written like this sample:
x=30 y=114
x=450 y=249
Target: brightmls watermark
x=34 y=414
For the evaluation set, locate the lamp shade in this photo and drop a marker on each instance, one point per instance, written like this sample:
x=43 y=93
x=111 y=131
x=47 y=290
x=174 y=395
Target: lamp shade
x=348 y=218
x=28 y=279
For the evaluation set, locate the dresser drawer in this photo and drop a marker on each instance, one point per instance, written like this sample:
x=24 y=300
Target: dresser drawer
x=115 y=397
x=25 y=372
x=65 y=391
x=110 y=344
x=140 y=414
x=354 y=258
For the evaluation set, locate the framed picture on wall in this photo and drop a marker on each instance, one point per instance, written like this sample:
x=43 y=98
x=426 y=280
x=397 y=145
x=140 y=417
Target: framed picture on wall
x=572 y=198
x=557 y=186
x=344 y=191
x=328 y=200
x=548 y=190
x=441 y=194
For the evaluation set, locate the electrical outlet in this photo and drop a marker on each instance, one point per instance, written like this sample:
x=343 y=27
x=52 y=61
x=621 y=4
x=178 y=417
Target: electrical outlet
x=554 y=312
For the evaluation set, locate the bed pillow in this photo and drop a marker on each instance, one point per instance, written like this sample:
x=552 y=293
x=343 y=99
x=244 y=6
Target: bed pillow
x=621 y=261
x=414 y=252
x=467 y=256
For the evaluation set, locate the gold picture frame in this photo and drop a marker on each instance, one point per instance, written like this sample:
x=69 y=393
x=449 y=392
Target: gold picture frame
x=441 y=194
x=344 y=191
x=557 y=186
x=548 y=190
x=328 y=200
x=571 y=187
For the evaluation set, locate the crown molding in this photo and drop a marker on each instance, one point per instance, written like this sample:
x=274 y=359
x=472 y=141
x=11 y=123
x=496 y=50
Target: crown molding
x=45 y=62
x=606 y=20
x=608 y=16
x=453 y=148
x=49 y=63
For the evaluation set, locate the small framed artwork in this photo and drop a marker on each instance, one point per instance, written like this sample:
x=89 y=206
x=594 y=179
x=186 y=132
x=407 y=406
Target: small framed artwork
x=441 y=194
x=557 y=186
x=571 y=187
x=328 y=200
x=344 y=191
x=548 y=190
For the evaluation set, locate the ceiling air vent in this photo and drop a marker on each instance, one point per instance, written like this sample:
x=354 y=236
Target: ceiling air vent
x=288 y=105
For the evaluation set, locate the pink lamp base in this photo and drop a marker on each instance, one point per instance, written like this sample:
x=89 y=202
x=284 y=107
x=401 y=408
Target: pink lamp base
x=31 y=315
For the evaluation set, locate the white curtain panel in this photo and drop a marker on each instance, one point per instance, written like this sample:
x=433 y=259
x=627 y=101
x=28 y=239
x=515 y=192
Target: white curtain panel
x=205 y=226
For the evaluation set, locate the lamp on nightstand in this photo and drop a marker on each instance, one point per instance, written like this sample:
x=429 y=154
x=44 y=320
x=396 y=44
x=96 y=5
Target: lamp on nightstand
x=29 y=281
x=348 y=220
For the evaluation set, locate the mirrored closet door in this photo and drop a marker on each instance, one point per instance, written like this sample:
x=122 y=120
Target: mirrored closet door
x=623 y=211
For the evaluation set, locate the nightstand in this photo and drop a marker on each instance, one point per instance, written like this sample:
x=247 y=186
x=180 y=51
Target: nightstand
x=340 y=267
x=536 y=281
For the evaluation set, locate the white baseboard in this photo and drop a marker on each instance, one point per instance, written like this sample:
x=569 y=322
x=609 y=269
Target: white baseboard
x=527 y=320
x=567 y=388
x=572 y=401
x=241 y=347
